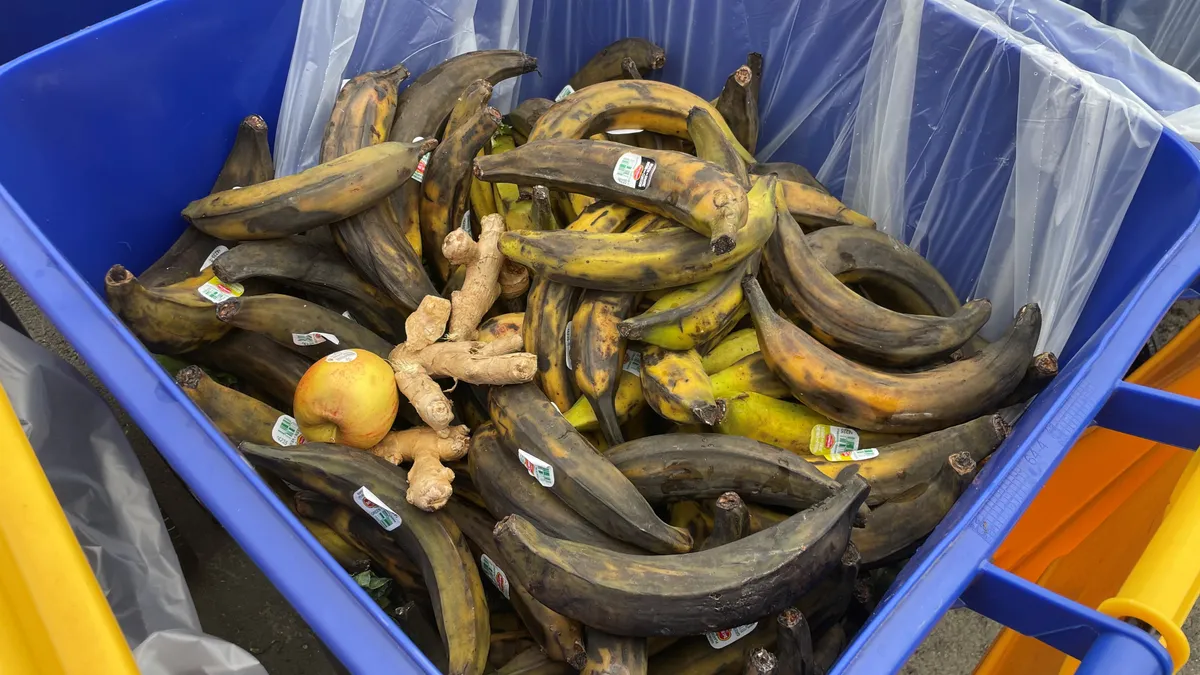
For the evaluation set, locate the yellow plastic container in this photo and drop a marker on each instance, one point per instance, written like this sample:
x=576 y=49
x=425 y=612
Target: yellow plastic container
x=53 y=616
x=1117 y=527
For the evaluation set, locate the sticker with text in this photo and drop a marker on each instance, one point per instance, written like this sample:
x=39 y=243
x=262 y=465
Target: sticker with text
x=286 y=431
x=347 y=315
x=721 y=639
x=344 y=356
x=216 y=291
x=829 y=440
x=374 y=506
x=566 y=91
x=313 y=338
x=492 y=571
x=633 y=362
x=567 y=342
x=216 y=253
x=465 y=223
x=854 y=456
x=419 y=174
x=634 y=171
x=543 y=472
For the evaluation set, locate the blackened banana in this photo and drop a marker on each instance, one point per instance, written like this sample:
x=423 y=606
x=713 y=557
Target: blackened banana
x=738 y=105
x=597 y=352
x=169 y=319
x=606 y=64
x=731 y=521
x=238 y=416
x=677 y=388
x=526 y=114
x=258 y=361
x=304 y=327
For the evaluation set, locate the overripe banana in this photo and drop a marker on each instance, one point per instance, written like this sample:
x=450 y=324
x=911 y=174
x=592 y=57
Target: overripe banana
x=671 y=467
x=712 y=145
x=560 y=637
x=506 y=194
x=446 y=176
x=738 y=105
x=520 y=216
x=506 y=488
x=750 y=374
x=386 y=254
x=606 y=64
x=691 y=191
x=169 y=319
x=533 y=662
x=855 y=253
x=795 y=646
x=788 y=171
x=542 y=211
x=907 y=466
x=432 y=540
x=318 y=196
x=731 y=521
x=501 y=325
x=567 y=465
x=643 y=261
x=735 y=347
x=896 y=526
x=689 y=316
x=525 y=115
x=1038 y=376
x=677 y=388
x=598 y=352
x=815 y=208
x=757 y=576
x=549 y=310
x=784 y=424
x=309 y=269
x=696 y=656
x=864 y=398
x=258 y=361
x=238 y=416
x=852 y=325
x=609 y=654
x=627 y=402
x=304 y=327
x=350 y=558
x=755 y=61
x=626 y=104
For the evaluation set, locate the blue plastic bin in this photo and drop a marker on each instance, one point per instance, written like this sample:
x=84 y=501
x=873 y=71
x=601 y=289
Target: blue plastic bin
x=29 y=24
x=106 y=135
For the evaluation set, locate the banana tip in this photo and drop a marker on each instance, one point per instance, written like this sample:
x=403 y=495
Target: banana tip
x=117 y=275
x=228 y=309
x=189 y=378
x=255 y=122
x=710 y=414
x=1046 y=364
x=962 y=463
x=743 y=75
x=723 y=244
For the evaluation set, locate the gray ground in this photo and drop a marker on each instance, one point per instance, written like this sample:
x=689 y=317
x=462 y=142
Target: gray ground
x=237 y=603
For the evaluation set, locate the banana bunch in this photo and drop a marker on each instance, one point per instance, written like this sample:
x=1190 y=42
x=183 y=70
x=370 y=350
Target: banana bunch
x=749 y=406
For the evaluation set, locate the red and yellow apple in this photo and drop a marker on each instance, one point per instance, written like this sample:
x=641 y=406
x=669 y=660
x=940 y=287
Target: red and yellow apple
x=348 y=397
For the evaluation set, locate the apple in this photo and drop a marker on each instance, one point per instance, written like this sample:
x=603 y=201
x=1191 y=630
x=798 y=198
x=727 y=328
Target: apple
x=348 y=397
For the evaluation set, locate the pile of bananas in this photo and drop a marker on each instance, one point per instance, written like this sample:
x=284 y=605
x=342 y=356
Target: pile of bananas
x=749 y=407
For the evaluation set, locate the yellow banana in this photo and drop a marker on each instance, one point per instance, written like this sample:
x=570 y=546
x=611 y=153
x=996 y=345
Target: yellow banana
x=750 y=374
x=737 y=346
x=677 y=388
x=627 y=402
x=688 y=316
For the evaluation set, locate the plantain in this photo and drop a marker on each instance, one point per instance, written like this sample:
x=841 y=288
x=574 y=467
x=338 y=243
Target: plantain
x=789 y=172
x=754 y=61
x=533 y=662
x=906 y=467
x=446 y=177
x=856 y=254
x=609 y=654
x=549 y=311
x=560 y=637
x=256 y=361
x=691 y=593
x=1038 y=375
x=432 y=540
x=367 y=536
x=238 y=416
x=567 y=464
x=864 y=398
x=731 y=521
x=691 y=191
x=303 y=327
x=318 y=196
x=350 y=558
x=607 y=63
x=814 y=208
x=189 y=256
x=691 y=315
x=171 y=319
x=695 y=656
x=750 y=374
x=597 y=353
x=507 y=488
x=642 y=261
x=309 y=269
x=714 y=146
x=735 y=347
x=738 y=106
x=385 y=253
x=784 y=424
x=671 y=467
x=897 y=526
x=542 y=211
x=795 y=645
x=525 y=115
x=677 y=388
x=483 y=200
x=626 y=104
x=501 y=325
x=506 y=194
x=628 y=402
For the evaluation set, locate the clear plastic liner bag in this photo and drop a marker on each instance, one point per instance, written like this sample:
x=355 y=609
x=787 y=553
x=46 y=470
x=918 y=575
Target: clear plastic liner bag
x=1169 y=28
x=108 y=502
x=911 y=119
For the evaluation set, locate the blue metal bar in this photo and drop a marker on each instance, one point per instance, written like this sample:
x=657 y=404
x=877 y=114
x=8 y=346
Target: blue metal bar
x=1153 y=414
x=1066 y=625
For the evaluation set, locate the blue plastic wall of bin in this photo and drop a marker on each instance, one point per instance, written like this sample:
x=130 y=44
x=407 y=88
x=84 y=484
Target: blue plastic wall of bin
x=107 y=135
x=29 y=24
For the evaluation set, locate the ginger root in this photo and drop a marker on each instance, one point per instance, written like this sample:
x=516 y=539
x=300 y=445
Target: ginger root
x=428 y=481
x=481 y=286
